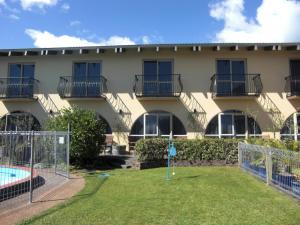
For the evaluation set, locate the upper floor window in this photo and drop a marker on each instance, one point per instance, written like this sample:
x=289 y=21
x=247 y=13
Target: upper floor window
x=86 y=79
x=158 y=77
x=295 y=68
x=231 y=78
x=86 y=70
x=20 y=79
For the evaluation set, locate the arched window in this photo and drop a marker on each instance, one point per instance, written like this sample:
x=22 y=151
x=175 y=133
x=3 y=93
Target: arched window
x=291 y=127
x=232 y=123
x=19 y=121
x=157 y=124
x=108 y=129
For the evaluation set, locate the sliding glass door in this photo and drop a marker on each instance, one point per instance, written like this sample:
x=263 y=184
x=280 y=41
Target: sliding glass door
x=295 y=76
x=86 y=79
x=158 y=77
x=20 y=82
x=231 y=78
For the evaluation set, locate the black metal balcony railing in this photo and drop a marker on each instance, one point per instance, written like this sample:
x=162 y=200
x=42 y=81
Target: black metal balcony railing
x=231 y=85
x=17 y=87
x=83 y=87
x=292 y=85
x=167 y=85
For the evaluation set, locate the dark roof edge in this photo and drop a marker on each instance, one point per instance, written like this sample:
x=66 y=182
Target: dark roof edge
x=156 y=45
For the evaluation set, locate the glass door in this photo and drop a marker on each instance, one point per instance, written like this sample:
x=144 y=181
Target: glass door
x=151 y=125
x=295 y=76
x=14 y=80
x=227 y=127
x=223 y=77
x=238 y=77
x=158 y=78
x=93 y=79
x=231 y=77
x=150 y=84
x=79 y=80
x=86 y=79
x=165 y=78
x=28 y=80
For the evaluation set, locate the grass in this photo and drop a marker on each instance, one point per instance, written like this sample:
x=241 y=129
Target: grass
x=204 y=195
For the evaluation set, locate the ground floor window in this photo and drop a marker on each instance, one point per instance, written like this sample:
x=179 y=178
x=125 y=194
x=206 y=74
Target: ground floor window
x=291 y=128
x=233 y=123
x=157 y=124
x=19 y=121
x=108 y=130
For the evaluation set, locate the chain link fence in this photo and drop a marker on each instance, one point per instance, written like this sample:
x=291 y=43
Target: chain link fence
x=31 y=165
x=279 y=168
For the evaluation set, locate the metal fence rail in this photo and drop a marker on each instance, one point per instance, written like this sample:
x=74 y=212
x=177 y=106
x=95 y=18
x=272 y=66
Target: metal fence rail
x=279 y=168
x=31 y=164
x=225 y=85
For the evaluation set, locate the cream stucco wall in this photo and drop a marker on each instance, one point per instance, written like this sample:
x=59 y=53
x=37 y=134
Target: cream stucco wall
x=196 y=69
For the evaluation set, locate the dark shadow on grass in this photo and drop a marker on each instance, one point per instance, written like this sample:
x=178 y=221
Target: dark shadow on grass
x=69 y=202
x=189 y=177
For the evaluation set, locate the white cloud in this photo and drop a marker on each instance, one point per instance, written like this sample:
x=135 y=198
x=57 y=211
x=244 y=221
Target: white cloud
x=275 y=21
x=28 y=4
x=75 y=23
x=14 y=17
x=65 y=7
x=146 y=39
x=2 y=2
x=45 y=39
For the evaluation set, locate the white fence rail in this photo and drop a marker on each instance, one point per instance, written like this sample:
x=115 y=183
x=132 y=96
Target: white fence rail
x=279 y=168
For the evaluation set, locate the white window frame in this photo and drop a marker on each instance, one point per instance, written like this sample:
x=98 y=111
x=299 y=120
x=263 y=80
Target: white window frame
x=233 y=134
x=295 y=133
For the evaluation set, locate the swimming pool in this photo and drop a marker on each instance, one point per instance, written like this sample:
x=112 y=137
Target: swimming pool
x=12 y=175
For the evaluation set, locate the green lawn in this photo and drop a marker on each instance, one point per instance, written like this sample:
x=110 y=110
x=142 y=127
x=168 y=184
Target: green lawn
x=204 y=195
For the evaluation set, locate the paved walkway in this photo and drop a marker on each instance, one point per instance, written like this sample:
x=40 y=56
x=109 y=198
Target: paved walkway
x=50 y=199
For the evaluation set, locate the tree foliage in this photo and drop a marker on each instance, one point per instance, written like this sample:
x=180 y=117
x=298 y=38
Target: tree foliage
x=87 y=133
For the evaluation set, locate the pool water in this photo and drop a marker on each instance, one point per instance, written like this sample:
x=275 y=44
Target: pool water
x=11 y=175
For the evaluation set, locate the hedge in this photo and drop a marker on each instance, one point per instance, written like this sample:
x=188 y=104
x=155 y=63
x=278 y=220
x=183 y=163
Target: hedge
x=155 y=149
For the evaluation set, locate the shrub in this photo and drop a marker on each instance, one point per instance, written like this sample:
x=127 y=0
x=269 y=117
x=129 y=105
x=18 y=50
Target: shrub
x=155 y=149
x=87 y=133
x=275 y=143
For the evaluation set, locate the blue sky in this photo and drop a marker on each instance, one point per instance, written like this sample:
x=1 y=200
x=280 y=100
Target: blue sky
x=52 y=23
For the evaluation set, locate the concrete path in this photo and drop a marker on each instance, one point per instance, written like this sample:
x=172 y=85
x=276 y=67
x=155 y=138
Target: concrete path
x=50 y=199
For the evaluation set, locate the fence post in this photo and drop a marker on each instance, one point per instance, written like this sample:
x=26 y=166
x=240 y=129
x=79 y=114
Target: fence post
x=239 y=154
x=68 y=151
x=55 y=152
x=269 y=166
x=31 y=165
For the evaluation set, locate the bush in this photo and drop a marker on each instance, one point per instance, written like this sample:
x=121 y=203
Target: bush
x=87 y=134
x=275 y=143
x=155 y=149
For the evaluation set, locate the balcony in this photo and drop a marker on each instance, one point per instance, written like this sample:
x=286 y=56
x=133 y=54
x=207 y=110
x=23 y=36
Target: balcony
x=292 y=87
x=167 y=86
x=231 y=86
x=18 y=88
x=92 y=87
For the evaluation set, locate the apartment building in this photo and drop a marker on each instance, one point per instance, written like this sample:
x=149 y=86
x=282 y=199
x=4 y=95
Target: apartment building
x=194 y=90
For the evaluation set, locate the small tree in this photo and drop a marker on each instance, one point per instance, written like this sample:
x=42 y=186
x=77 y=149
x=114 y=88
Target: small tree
x=277 y=121
x=87 y=133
